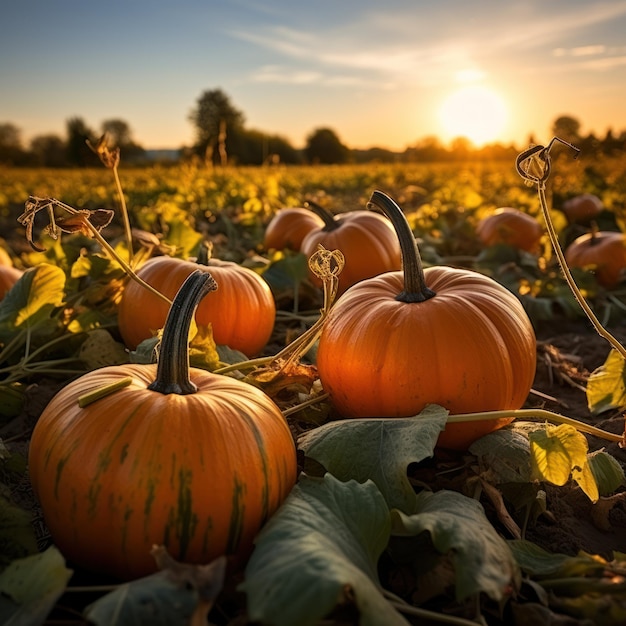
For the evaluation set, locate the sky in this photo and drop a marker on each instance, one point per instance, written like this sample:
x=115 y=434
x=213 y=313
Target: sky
x=385 y=74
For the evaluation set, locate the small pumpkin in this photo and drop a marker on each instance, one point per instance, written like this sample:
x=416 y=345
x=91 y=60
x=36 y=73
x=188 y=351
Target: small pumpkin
x=179 y=457
x=602 y=252
x=394 y=343
x=367 y=241
x=511 y=227
x=582 y=208
x=289 y=227
x=242 y=312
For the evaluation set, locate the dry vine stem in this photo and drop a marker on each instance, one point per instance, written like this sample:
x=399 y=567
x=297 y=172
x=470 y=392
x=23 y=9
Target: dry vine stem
x=534 y=166
x=78 y=221
x=327 y=266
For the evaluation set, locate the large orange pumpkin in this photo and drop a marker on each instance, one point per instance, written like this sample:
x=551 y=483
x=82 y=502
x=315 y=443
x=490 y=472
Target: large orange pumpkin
x=242 y=312
x=602 y=252
x=179 y=456
x=289 y=227
x=367 y=241
x=511 y=227
x=394 y=343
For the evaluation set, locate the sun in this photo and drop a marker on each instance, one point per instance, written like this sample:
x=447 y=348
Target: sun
x=475 y=112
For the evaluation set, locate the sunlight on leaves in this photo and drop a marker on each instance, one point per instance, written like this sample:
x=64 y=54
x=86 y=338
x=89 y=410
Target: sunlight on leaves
x=33 y=297
x=459 y=528
x=379 y=449
x=321 y=549
x=33 y=584
x=606 y=387
x=558 y=452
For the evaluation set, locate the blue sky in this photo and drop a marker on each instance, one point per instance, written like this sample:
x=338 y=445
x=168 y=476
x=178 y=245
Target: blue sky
x=376 y=73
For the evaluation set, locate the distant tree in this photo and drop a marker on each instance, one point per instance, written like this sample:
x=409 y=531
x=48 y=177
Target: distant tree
x=121 y=136
x=324 y=146
x=567 y=128
x=426 y=149
x=48 y=151
x=78 y=152
x=256 y=148
x=11 y=150
x=218 y=125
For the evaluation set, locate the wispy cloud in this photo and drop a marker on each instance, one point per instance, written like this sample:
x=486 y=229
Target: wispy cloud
x=380 y=50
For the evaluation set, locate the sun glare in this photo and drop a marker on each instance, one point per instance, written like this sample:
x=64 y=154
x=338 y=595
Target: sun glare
x=474 y=112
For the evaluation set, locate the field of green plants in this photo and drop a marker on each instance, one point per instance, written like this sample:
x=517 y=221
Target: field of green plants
x=286 y=512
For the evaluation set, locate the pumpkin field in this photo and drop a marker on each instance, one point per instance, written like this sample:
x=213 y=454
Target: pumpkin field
x=377 y=394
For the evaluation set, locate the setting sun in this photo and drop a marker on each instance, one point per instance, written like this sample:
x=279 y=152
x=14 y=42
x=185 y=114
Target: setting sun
x=477 y=113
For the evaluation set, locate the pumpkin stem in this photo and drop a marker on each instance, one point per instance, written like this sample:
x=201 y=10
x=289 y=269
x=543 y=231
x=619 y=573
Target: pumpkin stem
x=205 y=252
x=415 y=289
x=173 y=368
x=330 y=223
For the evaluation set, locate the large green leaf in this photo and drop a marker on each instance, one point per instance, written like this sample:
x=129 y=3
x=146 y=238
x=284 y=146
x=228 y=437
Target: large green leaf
x=35 y=295
x=33 y=585
x=379 y=449
x=17 y=537
x=156 y=600
x=320 y=549
x=459 y=528
x=606 y=387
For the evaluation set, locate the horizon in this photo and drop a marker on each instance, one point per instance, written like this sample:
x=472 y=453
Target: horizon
x=385 y=78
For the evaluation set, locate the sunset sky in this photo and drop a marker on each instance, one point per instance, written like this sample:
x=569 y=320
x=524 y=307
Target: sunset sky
x=379 y=74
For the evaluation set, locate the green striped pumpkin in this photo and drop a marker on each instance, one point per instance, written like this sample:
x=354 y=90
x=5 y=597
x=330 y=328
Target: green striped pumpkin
x=177 y=456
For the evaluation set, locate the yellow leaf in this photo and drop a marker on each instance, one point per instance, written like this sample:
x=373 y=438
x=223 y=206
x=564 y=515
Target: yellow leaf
x=556 y=451
x=586 y=481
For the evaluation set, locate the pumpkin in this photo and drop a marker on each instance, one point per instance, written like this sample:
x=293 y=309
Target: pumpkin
x=397 y=342
x=582 y=208
x=289 y=227
x=242 y=312
x=8 y=277
x=511 y=227
x=603 y=252
x=367 y=241
x=179 y=457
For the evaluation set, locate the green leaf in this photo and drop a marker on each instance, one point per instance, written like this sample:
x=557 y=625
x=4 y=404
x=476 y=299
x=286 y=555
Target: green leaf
x=288 y=271
x=459 y=528
x=607 y=471
x=35 y=295
x=100 y=350
x=537 y=562
x=606 y=387
x=379 y=449
x=155 y=600
x=320 y=549
x=33 y=584
x=504 y=455
x=17 y=537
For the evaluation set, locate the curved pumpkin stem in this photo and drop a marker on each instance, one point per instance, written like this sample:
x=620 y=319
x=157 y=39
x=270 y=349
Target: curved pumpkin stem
x=330 y=223
x=173 y=368
x=415 y=289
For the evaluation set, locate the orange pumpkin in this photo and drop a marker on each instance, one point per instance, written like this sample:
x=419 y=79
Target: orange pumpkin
x=241 y=312
x=367 y=241
x=178 y=457
x=394 y=343
x=289 y=227
x=603 y=253
x=582 y=208
x=511 y=227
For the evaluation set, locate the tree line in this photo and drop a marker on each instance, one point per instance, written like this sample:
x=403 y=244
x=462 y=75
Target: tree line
x=222 y=138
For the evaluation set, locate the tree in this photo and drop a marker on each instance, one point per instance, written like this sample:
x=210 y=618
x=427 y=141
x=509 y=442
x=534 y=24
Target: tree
x=78 y=152
x=218 y=126
x=323 y=146
x=567 y=128
x=48 y=151
x=11 y=151
x=121 y=136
